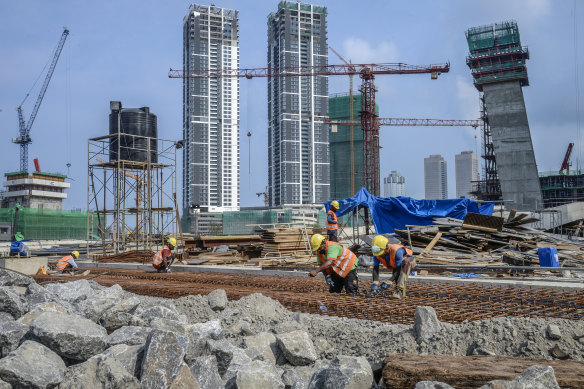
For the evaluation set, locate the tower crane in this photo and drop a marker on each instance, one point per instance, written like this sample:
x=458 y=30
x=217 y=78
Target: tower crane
x=566 y=162
x=367 y=72
x=24 y=127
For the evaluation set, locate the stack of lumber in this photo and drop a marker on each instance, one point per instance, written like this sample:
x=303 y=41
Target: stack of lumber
x=136 y=256
x=287 y=241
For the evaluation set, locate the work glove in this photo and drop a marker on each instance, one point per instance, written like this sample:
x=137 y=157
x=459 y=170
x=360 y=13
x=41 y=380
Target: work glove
x=374 y=288
x=383 y=286
x=329 y=281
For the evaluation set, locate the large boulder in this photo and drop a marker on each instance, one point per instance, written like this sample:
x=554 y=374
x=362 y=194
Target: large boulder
x=229 y=358
x=82 y=375
x=5 y=385
x=32 y=365
x=160 y=312
x=12 y=278
x=217 y=300
x=344 y=372
x=206 y=372
x=198 y=335
x=71 y=291
x=185 y=379
x=94 y=306
x=265 y=345
x=112 y=320
x=426 y=324
x=433 y=385
x=127 y=304
x=41 y=308
x=534 y=377
x=297 y=347
x=71 y=336
x=163 y=356
x=114 y=375
x=130 y=357
x=11 y=302
x=11 y=333
x=299 y=377
x=130 y=335
x=99 y=372
x=259 y=375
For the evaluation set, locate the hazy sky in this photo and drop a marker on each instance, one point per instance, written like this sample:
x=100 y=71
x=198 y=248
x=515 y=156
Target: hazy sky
x=123 y=49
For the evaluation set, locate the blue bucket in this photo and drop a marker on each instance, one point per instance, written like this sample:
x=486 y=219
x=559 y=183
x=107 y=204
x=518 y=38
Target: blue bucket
x=548 y=257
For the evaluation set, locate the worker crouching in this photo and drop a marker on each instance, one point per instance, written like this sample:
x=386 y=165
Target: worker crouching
x=397 y=258
x=164 y=258
x=67 y=263
x=337 y=263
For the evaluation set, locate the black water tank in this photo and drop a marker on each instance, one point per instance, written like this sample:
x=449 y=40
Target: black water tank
x=133 y=121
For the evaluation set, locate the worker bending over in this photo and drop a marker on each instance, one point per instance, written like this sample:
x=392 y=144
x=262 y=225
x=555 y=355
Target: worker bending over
x=67 y=262
x=332 y=224
x=397 y=258
x=337 y=263
x=164 y=258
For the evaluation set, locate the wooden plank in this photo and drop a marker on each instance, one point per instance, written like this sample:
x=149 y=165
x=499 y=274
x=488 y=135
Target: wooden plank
x=431 y=244
x=405 y=370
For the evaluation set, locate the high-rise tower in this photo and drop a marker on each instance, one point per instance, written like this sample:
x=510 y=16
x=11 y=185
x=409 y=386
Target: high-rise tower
x=211 y=110
x=497 y=63
x=298 y=139
x=435 y=178
x=466 y=165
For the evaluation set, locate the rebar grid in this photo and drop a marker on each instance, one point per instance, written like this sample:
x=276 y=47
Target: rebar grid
x=452 y=302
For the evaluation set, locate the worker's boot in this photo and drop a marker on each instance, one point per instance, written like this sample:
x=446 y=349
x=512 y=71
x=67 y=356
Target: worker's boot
x=398 y=294
x=86 y=273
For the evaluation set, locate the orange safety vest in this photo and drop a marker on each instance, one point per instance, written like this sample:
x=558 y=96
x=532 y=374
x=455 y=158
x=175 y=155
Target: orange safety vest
x=343 y=264
x=62 y=264
x=392 y=250
x=157 y=259
x=331 y=227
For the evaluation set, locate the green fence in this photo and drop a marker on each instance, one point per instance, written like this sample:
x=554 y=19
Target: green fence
x=49 y=223
x=480 y=38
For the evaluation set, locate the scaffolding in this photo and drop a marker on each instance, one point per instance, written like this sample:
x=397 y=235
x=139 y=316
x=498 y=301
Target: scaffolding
x=131 y=187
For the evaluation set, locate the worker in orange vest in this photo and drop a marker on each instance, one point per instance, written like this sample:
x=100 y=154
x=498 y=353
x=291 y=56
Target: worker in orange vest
x=67 y=262
x=332 y=224
x=164 y=258
x=337 y=263
x=397 y=258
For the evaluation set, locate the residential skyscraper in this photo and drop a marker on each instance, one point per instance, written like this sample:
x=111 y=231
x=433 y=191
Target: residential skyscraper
x=394 y=185
x=211 y=110
x=467 y=170
x=298 y=139
x=435 y=177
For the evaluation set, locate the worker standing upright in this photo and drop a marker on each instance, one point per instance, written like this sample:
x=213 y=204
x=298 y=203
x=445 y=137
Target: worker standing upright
x=68 y=262
x=332 y=224
x=164 y=258
x=397 y=258
x=337 y=263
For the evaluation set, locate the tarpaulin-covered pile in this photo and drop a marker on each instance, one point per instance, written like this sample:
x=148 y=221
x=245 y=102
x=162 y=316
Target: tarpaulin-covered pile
x=389 y=213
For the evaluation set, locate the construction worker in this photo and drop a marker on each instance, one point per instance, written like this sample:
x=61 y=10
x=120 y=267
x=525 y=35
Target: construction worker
x=164 y=258
x=332 y=224
x=397 y=258
x=67 y=262
x=337 y=263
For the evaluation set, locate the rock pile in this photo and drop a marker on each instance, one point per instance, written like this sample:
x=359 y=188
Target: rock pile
x=82 y=334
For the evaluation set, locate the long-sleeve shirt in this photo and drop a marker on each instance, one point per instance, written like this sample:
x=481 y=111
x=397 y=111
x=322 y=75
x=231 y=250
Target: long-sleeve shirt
x=330 y=218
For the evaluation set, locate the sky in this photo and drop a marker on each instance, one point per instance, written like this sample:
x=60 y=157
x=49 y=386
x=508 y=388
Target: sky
x=123 y=50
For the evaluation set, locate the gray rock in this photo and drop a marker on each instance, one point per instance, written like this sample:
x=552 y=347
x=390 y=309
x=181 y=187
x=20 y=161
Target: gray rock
x=198 y=335
x=41 y=308
x=553 y=332
x=112 y=320
x=11 y=302
x=170 y=325
x=11 y=333
x=82 y=375
x=496 y=384
x=71 y=336
x=127 y=305
x=297 y=347
x=185 y=379
x=229 y=358
x=426 y=324
x=130 y=335
x=266 y=345
x=35 y=288
x=94 y=306
x=130 y=357
x=242 y=327
x=71 y=291
x=205 y=371
x=432 y=385
x=163 y=356
x=344 y=372
x=259 y=375
x=160 y=312
x=217 y=300
x=299 y=377
x=99 y=372
x=538 y=377
x=12 y=278
x=113 y=375
x=32 y=365
x=5 y=385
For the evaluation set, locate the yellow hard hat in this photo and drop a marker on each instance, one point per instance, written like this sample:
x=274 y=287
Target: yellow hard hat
x=315 y=241
x=171 y=241
x=75 y=254
x=378 y=245
x=335 y=204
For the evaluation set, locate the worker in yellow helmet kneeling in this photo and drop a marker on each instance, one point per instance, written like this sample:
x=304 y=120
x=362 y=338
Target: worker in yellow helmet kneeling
x=67 y=263
x=397 y=258
x=337 y=263
x=164 y=258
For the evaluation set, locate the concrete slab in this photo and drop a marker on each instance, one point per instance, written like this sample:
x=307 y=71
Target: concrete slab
x=24 y=265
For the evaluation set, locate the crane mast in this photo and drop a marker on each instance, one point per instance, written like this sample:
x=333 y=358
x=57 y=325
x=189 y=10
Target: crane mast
x=24 y=127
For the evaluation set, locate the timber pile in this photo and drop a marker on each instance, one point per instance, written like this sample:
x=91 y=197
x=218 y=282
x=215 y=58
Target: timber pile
x=451 y=241
x=136 y=256
x=287 y=241
x=405 y=370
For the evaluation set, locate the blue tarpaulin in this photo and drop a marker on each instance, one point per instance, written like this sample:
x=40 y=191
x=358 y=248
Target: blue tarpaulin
x=389 y=213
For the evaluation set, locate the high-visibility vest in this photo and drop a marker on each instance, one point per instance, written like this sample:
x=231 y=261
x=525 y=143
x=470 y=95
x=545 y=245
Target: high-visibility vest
x=157 y=259
x=331 y=227
x=63 y=262
x=392 y=250
x=343 y=264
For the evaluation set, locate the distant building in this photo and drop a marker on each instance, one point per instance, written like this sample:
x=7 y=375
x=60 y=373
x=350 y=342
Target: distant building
x=394 y=185
x=467 y=170
x=37 y=190
x=435 y=178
